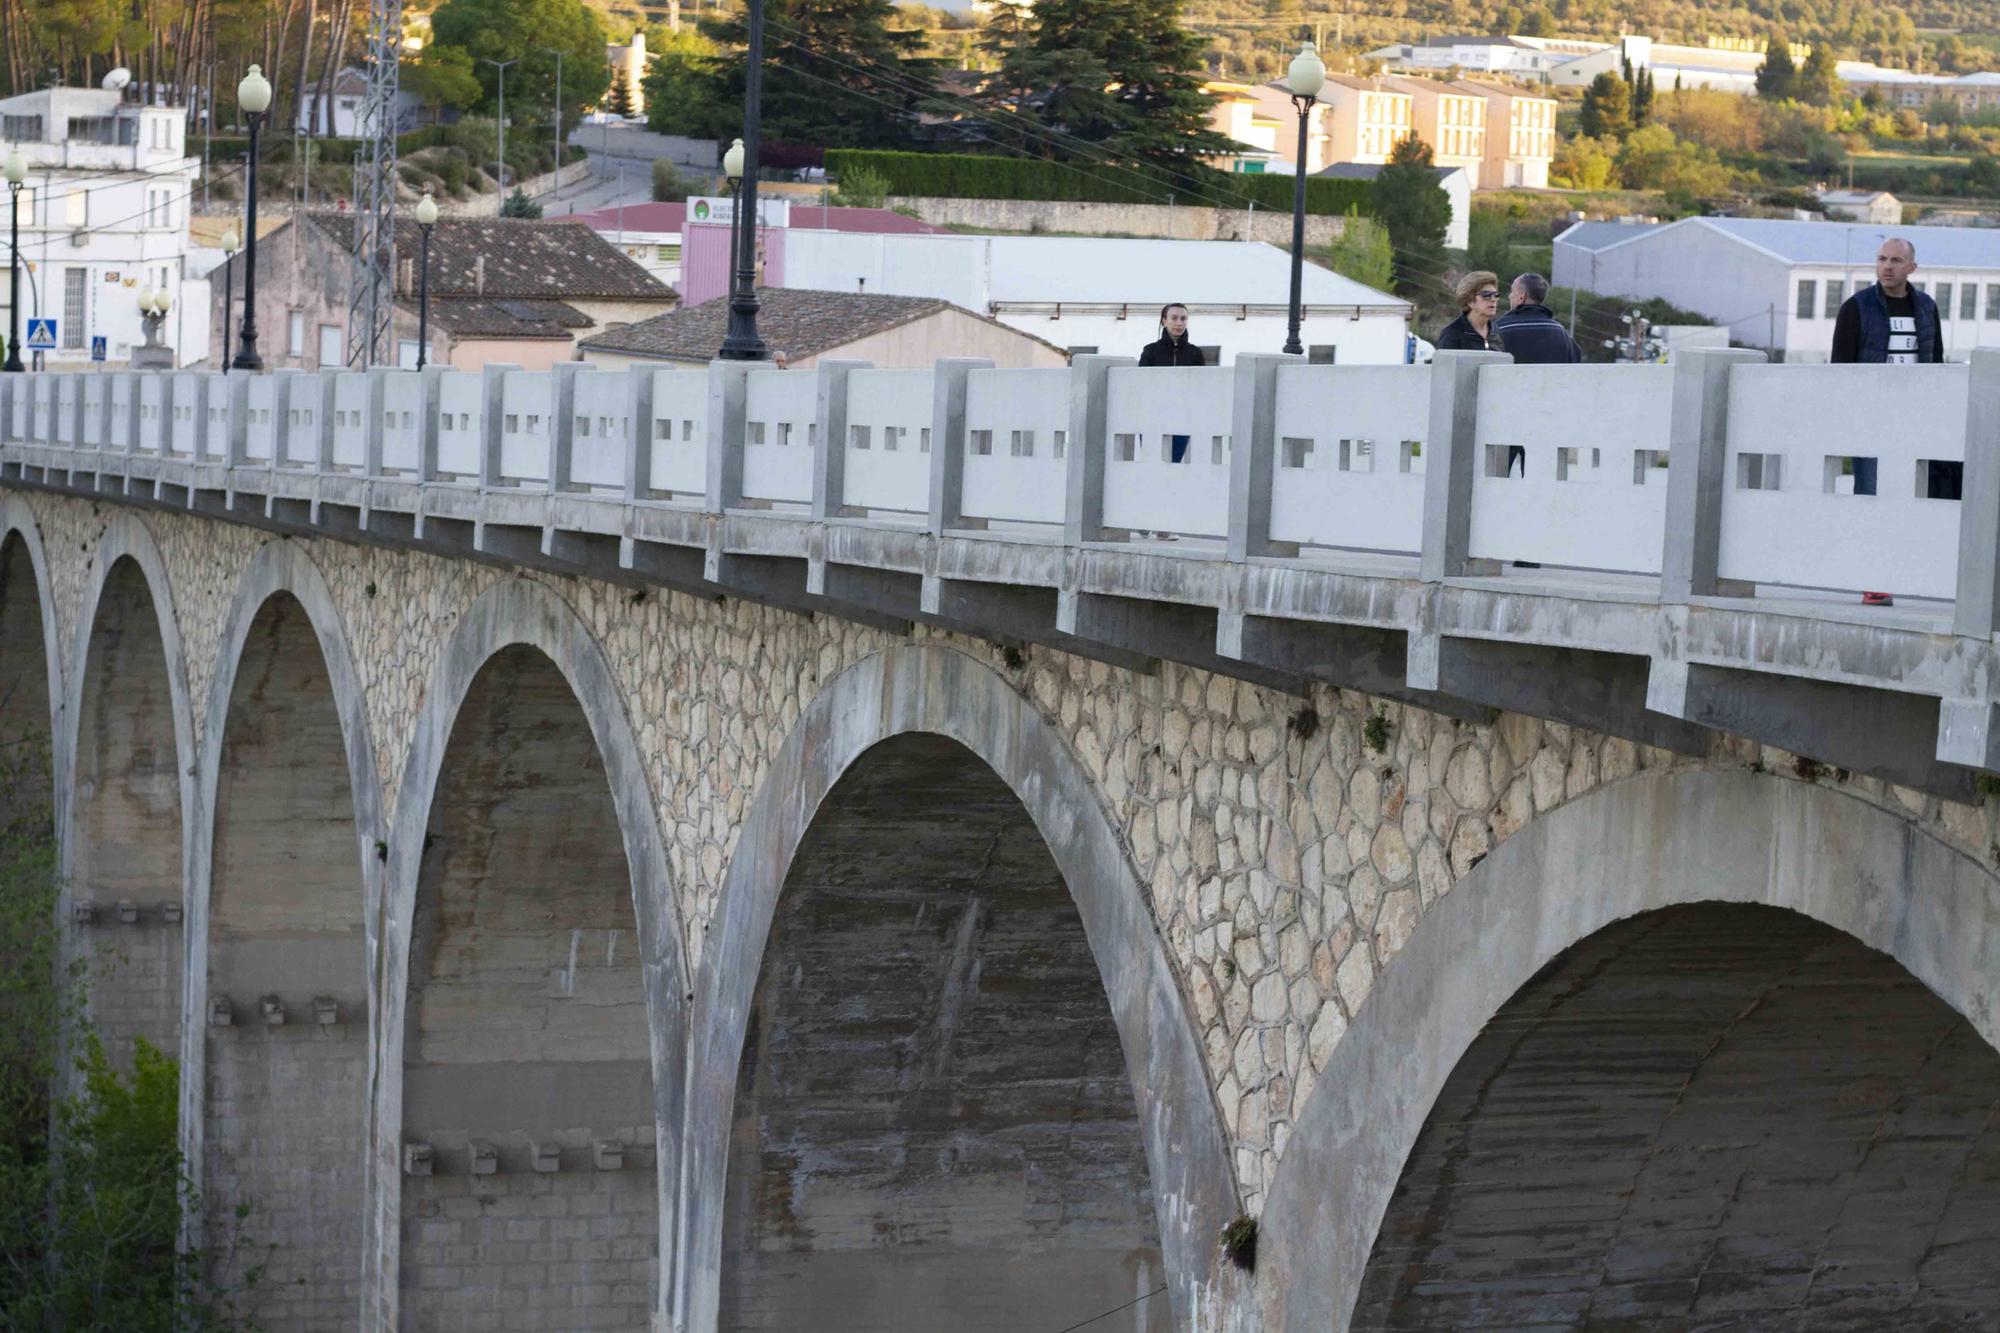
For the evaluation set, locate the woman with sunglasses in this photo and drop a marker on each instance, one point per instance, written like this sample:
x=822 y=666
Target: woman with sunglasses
x=1479 y=306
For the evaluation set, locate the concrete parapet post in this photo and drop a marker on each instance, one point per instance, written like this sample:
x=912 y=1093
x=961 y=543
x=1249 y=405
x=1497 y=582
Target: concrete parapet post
x=1253 y=455
x=129 y=443
x=829 y=494
x=377 y=393
x=728 y=402
x=238 y=409
x=194 y=397
x=949 y=378
x=639 y=444
x=1449 y=464
x=1083 y=506
x=283 y=382
x=427 y=422
x=562 y=423
x=1698 y=445
x=322 y=422
x=492 y=402
x=1976 y=613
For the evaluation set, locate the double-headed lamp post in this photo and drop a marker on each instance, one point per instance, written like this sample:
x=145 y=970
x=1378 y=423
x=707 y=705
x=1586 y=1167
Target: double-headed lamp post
x=732 y=170
x=427 y=216
x=253 y=95
x=231 y=243
x=16 y=171
x=1304 y=80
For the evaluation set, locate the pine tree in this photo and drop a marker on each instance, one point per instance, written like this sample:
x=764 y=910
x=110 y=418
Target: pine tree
x=837 y=74
x=1777 y=74
x=618 y=101
x=1642 y=97
x=1121 y=76
x=1607 y=108
x=1818 y=80
x=1416 y=210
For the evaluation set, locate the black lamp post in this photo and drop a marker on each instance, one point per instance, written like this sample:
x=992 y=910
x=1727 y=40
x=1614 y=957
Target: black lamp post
x=253 y=95
x=16 y=172
x=230 y=242
x=427 y=216
x=1305 y=78
x=742 y=342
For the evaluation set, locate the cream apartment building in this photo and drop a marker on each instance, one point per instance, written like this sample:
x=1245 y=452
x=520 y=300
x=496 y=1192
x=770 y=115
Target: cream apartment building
x=1364 y=119
x=1520 y=136
x=1451 y=118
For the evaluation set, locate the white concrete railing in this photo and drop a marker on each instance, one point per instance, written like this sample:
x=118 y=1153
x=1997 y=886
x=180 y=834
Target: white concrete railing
x=1714 y=472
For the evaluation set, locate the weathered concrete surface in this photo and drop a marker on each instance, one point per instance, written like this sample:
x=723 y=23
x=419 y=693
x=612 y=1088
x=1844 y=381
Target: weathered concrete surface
x=1657 y=842
x=527 y=1027
x=1258 y=862
x=286 y=1102
x=27 y=661
x=541 y=980
x=933 y=1111
x=123 y=843
x=1708 y=1115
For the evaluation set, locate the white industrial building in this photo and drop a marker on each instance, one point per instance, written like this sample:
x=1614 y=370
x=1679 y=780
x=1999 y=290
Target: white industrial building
x=1095 y=294
x=1778 y=284
x=103 y=216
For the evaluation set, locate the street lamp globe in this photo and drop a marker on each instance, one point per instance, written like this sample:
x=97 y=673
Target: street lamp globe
x=427 y=211
x=231 y=242
x=161 y=301
x=16 y=168
x=254 y=93
x=145 y=298
x=732 y=161
x=1307 y=74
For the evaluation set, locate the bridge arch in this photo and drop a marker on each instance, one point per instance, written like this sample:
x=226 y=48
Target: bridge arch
x=31 y=695
x=946 y=694
x=1658 y=841
x=518 y=644
x=284 y=880
x=126 y=796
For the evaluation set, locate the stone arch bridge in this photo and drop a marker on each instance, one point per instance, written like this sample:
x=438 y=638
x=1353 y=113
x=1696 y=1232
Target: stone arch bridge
x=606 y=858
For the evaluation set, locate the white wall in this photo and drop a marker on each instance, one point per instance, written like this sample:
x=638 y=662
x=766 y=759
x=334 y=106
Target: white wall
x=1374 y=339
x=951 y=268
x=1696 y=269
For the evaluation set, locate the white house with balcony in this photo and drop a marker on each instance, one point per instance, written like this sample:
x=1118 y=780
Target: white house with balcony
x=1101 y=294
x=1778 y=284
x=103 y=216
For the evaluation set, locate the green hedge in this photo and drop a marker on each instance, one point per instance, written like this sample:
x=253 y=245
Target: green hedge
x=972 y=176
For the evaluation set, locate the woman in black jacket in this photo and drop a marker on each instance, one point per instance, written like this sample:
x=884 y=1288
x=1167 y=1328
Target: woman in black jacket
x=1172 y=347
x=1479 y=306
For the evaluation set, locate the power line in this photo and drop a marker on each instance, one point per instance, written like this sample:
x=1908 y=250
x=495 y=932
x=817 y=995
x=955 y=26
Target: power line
x=1108 y=1313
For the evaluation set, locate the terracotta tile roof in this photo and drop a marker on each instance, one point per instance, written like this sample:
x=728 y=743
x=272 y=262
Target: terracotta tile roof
x=798 y=322
x=552 y=260
x=505 y=317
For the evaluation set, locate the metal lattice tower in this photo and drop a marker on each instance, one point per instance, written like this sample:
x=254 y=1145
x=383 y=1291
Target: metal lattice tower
x=369 y=298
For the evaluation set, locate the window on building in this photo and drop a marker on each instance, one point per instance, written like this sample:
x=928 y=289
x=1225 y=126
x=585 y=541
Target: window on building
x=1806 y=293
x=406 y=354
x=74 y=295
x=21 y=129
x=1993 y=300
x=1968 y=300
x=1944 y=300
x=24 y=207
x=332 y=345
x=1836 y=292
x=295 y=334
x=93 y=129
x=667 y=254
x=76 y=208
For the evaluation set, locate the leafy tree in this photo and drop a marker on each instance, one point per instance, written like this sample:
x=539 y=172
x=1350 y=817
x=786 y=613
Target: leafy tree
x=1818 y=80
x=683 y=84
x=1777 y=74
x=669 y=186
x=1652 y=159
x=442 y=77
x=1416 y=212
x=527 y=32
x=1983 y=175
x=1584 y=163
x=518 y=205
x=837 y=74
x=1538 y=22
x=1363 y=253
x=1607 y=108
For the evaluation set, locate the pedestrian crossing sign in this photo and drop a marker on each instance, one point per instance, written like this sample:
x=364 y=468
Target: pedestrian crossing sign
x=41 y=335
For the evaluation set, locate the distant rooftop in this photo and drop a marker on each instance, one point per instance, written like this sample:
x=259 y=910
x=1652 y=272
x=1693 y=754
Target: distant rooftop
x=672 y=217
x=1837 y=243
x=1106 y=270
x=799 y=322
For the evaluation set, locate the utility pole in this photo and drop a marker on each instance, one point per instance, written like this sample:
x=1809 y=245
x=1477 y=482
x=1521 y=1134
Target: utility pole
x=559 y=134
x=501 y=65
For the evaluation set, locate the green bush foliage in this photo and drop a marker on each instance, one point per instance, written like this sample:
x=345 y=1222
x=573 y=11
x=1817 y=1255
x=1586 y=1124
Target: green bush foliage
x=973 y=176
